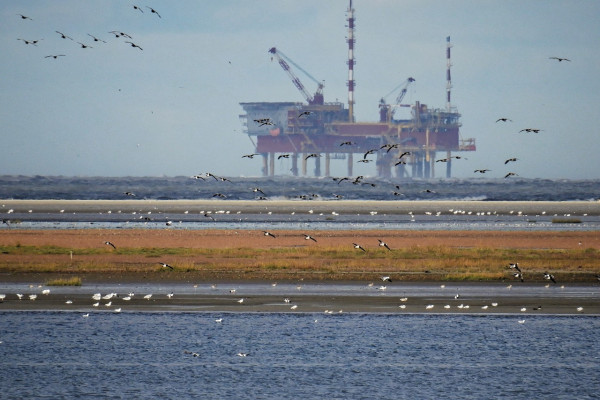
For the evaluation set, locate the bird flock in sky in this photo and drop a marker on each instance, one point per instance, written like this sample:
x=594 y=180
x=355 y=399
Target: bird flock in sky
x=86 y=40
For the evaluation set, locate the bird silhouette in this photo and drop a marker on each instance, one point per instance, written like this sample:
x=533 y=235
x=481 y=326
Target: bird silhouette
x=153 y=11
x=63 y=36
x=482 y=171
x=119 y=34
x=268 y=234
x=529 y=130
x=55 y=56
x=250 y=155
x=304 y=113
x=134 y=45
x=510 y=174
x=308 y=237
x=85 y=46
x=137 y=8
x=96 y=39
x=559 y=59
x=33 y=42
x=312 y=155
x=110 y=244
x=24 y=17
x=348 y=143
x=513 y=159
x=504 y=120
x=369 y=152
x=283 y=156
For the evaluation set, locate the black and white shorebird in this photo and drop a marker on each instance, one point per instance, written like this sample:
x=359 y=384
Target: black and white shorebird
x=482 y=171
x=153 y=11
x=110 y=244
x=304 y=113
x=219 y=195
x=129 y=194
x=268 y=234
x=508 y=175
x=503 y=119
x=258 y=190
x=165 y=265
x=515 y=266
x=519 y=275
x=263 y=121
x=358 y=246
x=312 y=155
x=371 y=151
x=308 y=237
x=512 y=159
x=559 y=59
x=548 y=276
x=384 y=244
x=386 y=278
x=283 y=156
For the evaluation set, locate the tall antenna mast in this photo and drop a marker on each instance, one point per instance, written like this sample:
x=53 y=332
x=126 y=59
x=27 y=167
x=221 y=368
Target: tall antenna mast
x=350 y=63
x=448 y=79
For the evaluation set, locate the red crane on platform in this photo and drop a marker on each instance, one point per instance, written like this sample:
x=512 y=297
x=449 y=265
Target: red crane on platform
x=317 y=98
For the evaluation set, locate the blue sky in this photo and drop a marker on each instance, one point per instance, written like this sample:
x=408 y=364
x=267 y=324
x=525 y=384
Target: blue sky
x=173 y=108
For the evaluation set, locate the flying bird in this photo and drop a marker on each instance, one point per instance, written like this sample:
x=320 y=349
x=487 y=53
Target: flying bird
x=304 y=113
x=283 y=156
x=250 y=155
x=386 y=279
x=134 y=45
x=153 y=11
x=25 y=17
x=510 y=159
x=312 y=155
x=263 y=121
x=559 y=59
x=346 y=143
x=258 y=190
x=119 y=34
x=510 y=174
x=358 y=247
x=384 y=244
x=55 y=56
x=308 y=237
x=503 y=120
x=268 y=234
x=548 y=276
x=165 y=265
x=369 y=152
x=220 y=195
x=96 y=39
x=482 y=171
x=515 y=266
x=406 y=153
x=110 y=244
x=33 y=42
x=85 y=46
x=62 y=35
x=529 y=130
x=137 y=8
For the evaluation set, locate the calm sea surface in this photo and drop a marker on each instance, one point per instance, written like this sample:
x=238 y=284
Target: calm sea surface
x=297 y=356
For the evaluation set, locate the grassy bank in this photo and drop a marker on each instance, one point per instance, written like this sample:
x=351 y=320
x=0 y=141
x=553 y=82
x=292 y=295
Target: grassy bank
x=413 y=263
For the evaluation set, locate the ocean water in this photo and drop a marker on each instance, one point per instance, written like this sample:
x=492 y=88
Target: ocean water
x=177 y=188
x=297 y=356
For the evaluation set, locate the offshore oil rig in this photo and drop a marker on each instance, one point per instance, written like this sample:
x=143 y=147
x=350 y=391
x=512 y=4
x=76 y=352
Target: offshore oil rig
x=315 y=130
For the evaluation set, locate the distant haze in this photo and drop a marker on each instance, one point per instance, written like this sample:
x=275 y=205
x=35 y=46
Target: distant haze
x=173 y=107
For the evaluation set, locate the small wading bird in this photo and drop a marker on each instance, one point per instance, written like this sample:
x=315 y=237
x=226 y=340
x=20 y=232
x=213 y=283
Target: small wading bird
x=559 y=59
x=110 y=244
x=165 y=265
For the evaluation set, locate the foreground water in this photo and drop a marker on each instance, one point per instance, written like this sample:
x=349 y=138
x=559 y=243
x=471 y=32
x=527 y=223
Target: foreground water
x=308 y=356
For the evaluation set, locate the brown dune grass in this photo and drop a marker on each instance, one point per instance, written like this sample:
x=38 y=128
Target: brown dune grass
x=250 y=255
